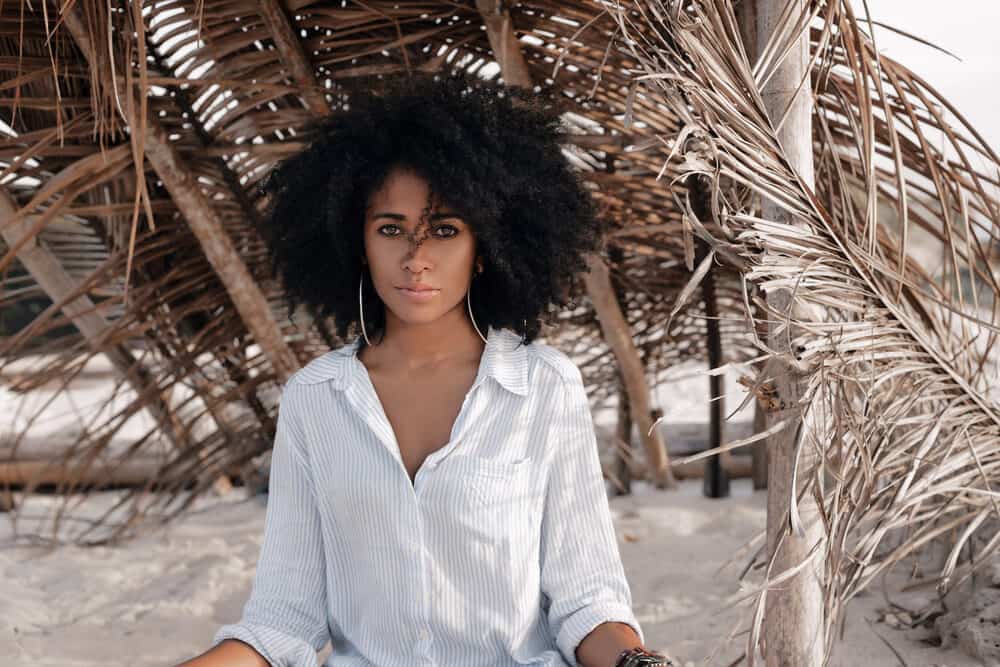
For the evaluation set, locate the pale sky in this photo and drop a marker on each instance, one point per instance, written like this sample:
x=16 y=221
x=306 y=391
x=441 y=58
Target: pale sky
x=967 y=28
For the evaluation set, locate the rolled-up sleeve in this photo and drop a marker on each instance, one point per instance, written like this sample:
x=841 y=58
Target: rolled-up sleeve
x=581 y=570
x=284 y=618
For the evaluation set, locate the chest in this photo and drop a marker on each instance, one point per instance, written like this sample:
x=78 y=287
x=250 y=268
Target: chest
x=499 y=447
x=422 y=412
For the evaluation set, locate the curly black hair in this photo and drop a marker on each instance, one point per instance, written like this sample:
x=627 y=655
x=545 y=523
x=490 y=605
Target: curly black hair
x=491 y=152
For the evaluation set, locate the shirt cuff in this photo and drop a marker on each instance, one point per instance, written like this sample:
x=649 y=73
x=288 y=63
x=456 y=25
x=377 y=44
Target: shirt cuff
x=582 y=622
x=278 y=648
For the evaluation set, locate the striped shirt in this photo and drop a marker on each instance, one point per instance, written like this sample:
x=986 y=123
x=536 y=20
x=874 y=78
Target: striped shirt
x=501 y=552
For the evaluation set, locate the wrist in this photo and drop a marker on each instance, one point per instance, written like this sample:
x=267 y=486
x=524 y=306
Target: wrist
x=640 y=657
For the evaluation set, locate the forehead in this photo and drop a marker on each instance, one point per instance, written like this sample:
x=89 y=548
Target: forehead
x=402 y=191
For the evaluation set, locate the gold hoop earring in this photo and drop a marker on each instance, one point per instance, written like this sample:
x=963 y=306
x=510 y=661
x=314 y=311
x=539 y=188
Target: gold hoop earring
x=361 y=310
x=468 y=303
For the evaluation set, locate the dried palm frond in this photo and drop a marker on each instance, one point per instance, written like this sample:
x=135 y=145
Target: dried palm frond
x=894 y=339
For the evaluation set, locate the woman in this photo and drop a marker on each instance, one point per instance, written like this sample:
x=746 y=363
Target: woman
x=436 y=496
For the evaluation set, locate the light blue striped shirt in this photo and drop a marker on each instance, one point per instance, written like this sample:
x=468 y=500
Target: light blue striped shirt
x=501 y=552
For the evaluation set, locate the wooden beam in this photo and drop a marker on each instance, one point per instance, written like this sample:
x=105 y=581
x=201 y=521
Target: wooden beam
x=134 y=472
x=293 y=56
x=733 y=468
x=55 y=281
x=614 y=327
x=205 y=223
x=60 y=287
x=184 y=102
x=618 y=336
x=758 y=450
x=139 y=471
x=504 y=43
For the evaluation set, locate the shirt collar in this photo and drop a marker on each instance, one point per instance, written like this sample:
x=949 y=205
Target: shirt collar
x=505 y=359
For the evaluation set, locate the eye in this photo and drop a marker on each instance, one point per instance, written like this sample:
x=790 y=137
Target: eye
x=449 y=228
x=384 y=227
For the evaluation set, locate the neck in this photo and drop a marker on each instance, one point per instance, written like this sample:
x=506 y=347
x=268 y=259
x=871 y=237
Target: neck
x=412 y=346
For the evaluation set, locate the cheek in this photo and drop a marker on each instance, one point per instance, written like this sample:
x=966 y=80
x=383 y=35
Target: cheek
x=461 y=255
x=382 y=253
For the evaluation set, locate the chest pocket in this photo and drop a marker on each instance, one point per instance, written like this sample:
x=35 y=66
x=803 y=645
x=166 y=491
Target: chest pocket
x=496 y=497
x=496 y=484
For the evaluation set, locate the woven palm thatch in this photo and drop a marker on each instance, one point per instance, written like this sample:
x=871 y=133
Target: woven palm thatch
x=227 y=100
x=895 y=250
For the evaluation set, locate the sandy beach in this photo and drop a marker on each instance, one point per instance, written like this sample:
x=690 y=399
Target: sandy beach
x=159 y=599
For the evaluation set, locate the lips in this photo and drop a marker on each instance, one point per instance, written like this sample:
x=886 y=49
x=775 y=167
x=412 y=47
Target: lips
x=419 y=293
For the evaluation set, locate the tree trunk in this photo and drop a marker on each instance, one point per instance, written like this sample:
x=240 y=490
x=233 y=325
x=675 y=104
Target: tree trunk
x=793 y=616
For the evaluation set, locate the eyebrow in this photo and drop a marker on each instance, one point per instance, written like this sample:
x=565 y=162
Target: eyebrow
x=400 y=216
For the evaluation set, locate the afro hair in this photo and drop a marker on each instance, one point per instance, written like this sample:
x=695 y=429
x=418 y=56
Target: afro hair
x=491 y=152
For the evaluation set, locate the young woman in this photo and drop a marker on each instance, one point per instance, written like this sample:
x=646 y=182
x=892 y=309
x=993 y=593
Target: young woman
x=436 y=496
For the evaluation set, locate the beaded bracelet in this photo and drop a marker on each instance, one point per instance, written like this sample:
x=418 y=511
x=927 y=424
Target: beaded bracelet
x=640 y=657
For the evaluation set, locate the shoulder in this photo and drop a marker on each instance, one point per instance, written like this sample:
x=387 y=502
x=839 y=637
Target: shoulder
x=300 y=398
x=548 y=361
x=328 y=367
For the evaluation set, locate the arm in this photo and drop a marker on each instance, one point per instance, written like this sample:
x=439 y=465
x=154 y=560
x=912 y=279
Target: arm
x=605 y=643
x=284 y=620
x=229 y=653
x=581 y=569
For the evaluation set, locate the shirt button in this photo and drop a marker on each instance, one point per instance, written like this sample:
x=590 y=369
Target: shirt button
x=424 y=635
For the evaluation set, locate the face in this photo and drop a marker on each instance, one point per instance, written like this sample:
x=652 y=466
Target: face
x=406 y=248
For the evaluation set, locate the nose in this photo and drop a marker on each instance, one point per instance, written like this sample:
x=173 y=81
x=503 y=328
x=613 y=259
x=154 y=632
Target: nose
x=417 y=257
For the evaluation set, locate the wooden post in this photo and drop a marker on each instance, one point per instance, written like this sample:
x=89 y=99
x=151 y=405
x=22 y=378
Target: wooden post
x=623 y=442
x=624 y=453
x=614 y=327
x=793 y=614
x=746 y=17
x=715 y=482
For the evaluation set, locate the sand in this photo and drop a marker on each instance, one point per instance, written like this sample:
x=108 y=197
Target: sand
x=160 y=598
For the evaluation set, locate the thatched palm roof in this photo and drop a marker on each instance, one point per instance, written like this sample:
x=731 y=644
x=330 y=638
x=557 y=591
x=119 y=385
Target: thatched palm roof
x=668 y=126
x=225 y=105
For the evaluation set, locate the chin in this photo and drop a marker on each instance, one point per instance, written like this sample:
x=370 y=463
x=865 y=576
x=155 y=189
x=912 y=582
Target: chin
x=410 y=314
